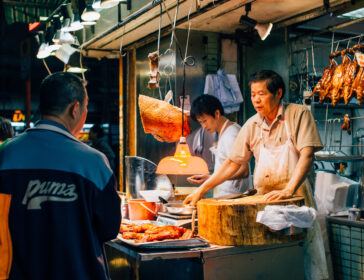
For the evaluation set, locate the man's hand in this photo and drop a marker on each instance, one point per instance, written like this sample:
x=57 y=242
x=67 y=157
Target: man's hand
x=192 y=198
x=277 y=195
x=197 y=179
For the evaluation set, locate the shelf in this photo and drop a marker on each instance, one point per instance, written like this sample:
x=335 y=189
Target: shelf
x=334 y=158
x=338 y=106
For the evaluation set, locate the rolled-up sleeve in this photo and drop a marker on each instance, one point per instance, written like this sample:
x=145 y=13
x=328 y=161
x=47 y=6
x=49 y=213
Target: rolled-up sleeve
x=240 y=152
x=307 y=134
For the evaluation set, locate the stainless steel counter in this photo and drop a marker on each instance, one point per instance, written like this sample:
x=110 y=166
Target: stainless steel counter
x=284 y=261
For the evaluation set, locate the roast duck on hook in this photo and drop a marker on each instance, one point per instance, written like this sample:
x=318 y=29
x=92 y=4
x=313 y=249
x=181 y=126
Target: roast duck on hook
x=341 y=82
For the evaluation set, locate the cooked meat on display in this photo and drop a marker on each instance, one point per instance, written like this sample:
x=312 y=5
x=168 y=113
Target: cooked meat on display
x=162 y=120
x=153 y=70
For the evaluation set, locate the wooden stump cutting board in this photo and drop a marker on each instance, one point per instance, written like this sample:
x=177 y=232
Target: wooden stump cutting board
x=232 y=222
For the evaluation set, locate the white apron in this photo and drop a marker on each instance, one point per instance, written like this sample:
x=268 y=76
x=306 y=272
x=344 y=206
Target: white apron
x=275 y=165
x=272 y=172
x=219 y=152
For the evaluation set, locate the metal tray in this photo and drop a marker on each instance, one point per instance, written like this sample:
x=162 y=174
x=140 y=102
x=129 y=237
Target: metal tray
x=177 y=208
x=167 y=244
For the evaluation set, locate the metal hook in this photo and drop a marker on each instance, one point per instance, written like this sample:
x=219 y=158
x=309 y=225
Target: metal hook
x=189 y=60
x=168 y=70
x=121 y=44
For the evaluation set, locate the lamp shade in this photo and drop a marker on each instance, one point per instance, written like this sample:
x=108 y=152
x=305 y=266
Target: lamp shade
x=263 y=30
x=88 y=23
x=247 y=21
x=89 y=14
x=74 y=63
x=182 y=163
x=43 y=51
x=105 y=4
x=75 y=24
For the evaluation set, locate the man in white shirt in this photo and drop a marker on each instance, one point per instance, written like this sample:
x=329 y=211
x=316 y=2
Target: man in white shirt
x=208 y=111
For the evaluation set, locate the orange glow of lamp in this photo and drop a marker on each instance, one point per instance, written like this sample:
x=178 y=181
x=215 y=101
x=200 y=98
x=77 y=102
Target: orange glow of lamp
x=182 y=163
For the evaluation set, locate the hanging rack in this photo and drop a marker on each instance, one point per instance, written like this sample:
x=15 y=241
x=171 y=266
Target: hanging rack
x=352 y=118
x=332 y=42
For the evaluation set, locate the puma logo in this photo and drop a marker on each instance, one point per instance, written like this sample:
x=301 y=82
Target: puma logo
x=38 y=192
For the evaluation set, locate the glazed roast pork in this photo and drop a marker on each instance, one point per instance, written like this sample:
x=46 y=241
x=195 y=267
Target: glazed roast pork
x=162 y=120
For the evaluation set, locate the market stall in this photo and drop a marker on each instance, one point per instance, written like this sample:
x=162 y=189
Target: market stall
x=215 y=262
x=304 y=47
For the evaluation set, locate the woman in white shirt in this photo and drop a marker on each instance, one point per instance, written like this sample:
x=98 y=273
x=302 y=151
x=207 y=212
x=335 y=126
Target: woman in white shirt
x=208 y=111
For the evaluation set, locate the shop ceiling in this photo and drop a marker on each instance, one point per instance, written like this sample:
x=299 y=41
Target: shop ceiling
x=220 y=16
x=215 y=16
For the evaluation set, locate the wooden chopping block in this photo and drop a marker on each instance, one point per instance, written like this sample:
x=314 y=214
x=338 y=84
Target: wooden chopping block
x=232 y=222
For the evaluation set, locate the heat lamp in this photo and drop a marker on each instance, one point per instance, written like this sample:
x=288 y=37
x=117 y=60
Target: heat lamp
x=182 y=163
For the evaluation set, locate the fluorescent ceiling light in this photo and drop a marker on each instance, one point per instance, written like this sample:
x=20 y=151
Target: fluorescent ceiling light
x=356 y=14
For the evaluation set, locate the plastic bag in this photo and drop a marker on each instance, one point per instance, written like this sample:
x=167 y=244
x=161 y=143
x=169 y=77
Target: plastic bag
x=278 y=217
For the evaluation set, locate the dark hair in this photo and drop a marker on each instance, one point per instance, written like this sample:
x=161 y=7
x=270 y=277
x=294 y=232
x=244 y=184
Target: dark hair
x=59 y=90
x=273 y=81
x=6 y=130
x=98 y=130
x=205 y=104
